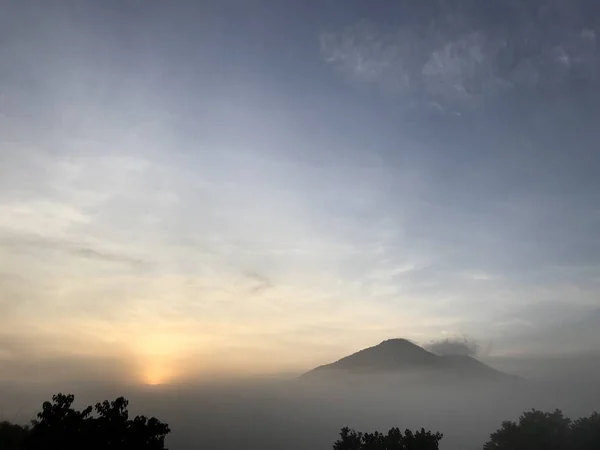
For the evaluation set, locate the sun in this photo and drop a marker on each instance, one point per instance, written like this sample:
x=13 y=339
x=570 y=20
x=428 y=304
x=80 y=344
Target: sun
x=157 y=374
x=159 y=358
x=153 y=379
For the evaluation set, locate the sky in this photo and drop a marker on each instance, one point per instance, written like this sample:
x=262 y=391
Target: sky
x=240 y=187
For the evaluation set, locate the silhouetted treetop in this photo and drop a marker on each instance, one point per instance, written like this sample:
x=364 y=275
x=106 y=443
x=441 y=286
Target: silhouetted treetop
x=393 y=440
x=537 y=430
x=585 y=433
x=60 y=427
x=12 y=436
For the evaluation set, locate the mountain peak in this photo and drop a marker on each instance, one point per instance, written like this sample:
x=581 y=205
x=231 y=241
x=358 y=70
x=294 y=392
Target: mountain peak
x=400 y=355
x=398 y=342
x=390 y=354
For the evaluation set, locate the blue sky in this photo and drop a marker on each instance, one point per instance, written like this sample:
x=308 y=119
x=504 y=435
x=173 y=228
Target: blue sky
x=254 y=186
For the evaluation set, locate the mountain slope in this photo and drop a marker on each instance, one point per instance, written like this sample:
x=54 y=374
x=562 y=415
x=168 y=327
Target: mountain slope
x=402 y=357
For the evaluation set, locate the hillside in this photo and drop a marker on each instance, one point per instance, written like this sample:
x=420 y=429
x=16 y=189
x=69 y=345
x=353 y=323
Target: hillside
x=402 y=357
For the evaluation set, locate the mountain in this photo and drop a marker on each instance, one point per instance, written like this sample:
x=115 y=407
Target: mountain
x=400 y=357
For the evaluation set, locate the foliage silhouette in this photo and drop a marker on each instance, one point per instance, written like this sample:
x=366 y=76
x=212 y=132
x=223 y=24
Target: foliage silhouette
x=538 y=430
x=60 y=427
x=107 y=426
x=393 y=440
x=12 y=437
x=585 y=433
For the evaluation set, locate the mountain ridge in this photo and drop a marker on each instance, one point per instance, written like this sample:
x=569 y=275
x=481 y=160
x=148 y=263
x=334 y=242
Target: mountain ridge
x=401 y=356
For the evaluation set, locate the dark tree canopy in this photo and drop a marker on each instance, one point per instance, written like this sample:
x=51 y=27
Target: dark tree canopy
x=60 y=427
x=107 y=426
x=393 y=440
x=12 y=437
x=585 y=433
x=537 y=430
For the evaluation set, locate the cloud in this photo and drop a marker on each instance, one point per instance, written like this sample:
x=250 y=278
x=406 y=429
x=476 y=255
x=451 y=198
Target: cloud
x=453 y=59
x=11 y=345
x=463 y=70
x=454 y=346
x=260 y=283
x=32 y=355
x=476 y=275
x=554 y=327
x=364 y=53
x=28 y=242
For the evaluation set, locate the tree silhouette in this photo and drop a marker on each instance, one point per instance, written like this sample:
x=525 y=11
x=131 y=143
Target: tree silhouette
x=538 y=430
x=12 y=437
x=393 y=440
x=585 y=433
x=535 y=430
x=107 y=426
x=60 y=427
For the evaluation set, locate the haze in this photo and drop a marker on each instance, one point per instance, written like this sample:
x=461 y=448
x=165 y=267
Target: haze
x=236 y=192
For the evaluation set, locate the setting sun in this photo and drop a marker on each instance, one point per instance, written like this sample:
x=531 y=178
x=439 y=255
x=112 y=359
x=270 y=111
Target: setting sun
x=157 y=375
x=159 y=355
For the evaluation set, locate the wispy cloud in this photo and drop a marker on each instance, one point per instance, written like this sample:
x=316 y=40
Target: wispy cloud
x=260 y=283
x=479 y=276
x=33 y=243
x=453 y=60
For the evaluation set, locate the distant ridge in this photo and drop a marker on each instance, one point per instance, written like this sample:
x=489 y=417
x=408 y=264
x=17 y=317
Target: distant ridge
x=400 y=356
